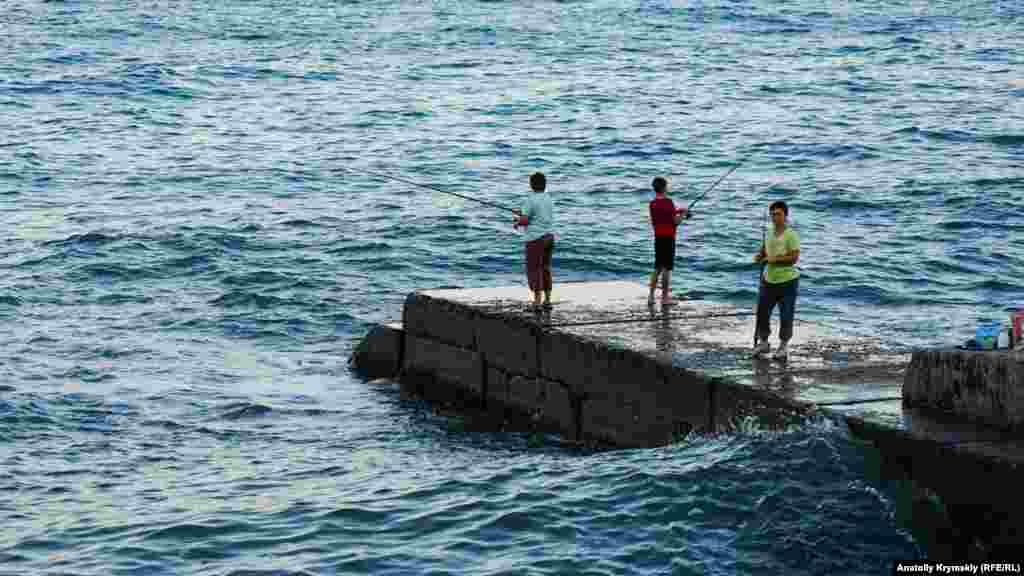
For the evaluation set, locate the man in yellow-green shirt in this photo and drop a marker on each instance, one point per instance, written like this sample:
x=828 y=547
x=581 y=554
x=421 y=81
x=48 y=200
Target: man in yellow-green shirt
x=779 y=282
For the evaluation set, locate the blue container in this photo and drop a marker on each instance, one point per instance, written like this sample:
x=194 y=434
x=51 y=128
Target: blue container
x=987 y=335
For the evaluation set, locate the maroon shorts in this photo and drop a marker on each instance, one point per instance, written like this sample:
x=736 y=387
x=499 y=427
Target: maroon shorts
x=538 y=262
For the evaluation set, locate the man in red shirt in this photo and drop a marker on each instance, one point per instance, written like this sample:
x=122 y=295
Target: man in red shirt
x=665 y=218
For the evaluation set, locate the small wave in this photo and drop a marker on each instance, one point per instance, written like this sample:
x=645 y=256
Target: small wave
x=257 y=278
x=245 y=410
x=844 y=50
x=87 y=239
x=1006 y=139
x=360 y=248
x=268 y=572
x=904 y=40
x=851 y=291
x=110 y=272
x=462 y=64
x=192 y=263
x=300 y=223
x=963 y=136
x=165 y=424
x=997 y=285
x=963 y=224
x=9 y=300
x=236 y=298
x=197 y=532
x=86 y=375
x=846 y=203
x=117 y=299
x=998 y=182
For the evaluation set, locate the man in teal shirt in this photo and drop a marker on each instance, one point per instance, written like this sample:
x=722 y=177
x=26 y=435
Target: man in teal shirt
x=537 y=216
x=779 y=283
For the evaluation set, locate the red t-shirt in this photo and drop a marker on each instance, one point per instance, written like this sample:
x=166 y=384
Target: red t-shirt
x=663 y=217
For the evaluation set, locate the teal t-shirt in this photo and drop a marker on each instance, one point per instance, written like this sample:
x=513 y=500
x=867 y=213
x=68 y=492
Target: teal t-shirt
x=778 y=246
x=539 y=209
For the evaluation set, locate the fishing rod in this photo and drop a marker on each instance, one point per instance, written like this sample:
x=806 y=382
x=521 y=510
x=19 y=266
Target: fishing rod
x=760 y=275
x=435 y=189
x=712 y=187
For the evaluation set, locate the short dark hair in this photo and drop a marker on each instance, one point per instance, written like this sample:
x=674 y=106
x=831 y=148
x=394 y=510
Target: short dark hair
x=538 y=182
x=779 y=204
x=659 y=183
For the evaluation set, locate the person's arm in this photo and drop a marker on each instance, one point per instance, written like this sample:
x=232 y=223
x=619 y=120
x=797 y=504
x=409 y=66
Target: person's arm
x=761 y=254
x=788 y=259
x=522 y=217
x=681 y=215
x=792 y=253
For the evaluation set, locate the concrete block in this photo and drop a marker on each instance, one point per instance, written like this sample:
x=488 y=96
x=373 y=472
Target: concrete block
x=622 y=376
x=630 y=426
x=736 y=406
x=556 y=408
x=497 y=386
x=442 y=320
x=983 y=386
x=641 y=402
x=508 y=343
x=524 y=393
x=687 y=398
x=577 y=362
x=545 y=402
x=379 y=354
x=449 y=365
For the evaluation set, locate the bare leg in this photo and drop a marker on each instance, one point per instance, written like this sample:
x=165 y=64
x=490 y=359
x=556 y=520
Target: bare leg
x=653 y=284
x=666 y=281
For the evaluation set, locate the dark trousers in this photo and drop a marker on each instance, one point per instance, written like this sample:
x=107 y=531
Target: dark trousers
x=784 y=295
x=538 y=262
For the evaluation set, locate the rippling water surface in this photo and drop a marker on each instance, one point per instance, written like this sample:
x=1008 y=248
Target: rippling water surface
x=191 y=246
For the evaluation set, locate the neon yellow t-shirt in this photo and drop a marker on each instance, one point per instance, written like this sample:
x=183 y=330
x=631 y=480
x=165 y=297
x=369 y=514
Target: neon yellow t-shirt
x=778 y=246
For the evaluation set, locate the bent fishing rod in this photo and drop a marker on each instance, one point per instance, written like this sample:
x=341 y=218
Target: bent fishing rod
x=435 y=189
x=712 y=187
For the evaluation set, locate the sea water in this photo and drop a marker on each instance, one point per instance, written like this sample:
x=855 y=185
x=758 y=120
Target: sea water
x=192 y=245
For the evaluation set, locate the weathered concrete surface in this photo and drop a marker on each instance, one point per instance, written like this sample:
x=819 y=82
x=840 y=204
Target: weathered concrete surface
x=379 y=354
x=986 y=386
x=637 y=375
x=449 y=365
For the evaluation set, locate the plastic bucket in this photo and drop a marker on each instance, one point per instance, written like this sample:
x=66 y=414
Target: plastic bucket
x=986 y=334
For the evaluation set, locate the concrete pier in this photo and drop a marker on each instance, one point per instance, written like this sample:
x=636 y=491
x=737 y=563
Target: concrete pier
x=600 y=366
x=983 y=386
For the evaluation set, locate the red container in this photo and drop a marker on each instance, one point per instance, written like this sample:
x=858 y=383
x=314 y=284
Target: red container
x=1017 y=321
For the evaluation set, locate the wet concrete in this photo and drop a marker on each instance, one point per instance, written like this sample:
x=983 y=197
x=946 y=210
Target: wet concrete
x=713 y=339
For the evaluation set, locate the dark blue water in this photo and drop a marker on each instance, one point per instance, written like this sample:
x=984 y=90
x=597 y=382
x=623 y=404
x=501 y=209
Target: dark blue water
x=189 y=254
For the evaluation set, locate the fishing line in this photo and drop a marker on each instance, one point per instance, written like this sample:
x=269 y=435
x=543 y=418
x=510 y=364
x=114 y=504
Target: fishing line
x=712 y=187
x=654 y=319
x=434 y=188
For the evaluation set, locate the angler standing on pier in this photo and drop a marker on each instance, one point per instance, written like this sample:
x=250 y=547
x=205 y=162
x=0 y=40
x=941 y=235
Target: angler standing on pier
x=779 y=282
x=537 y=217
x=665 y=218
